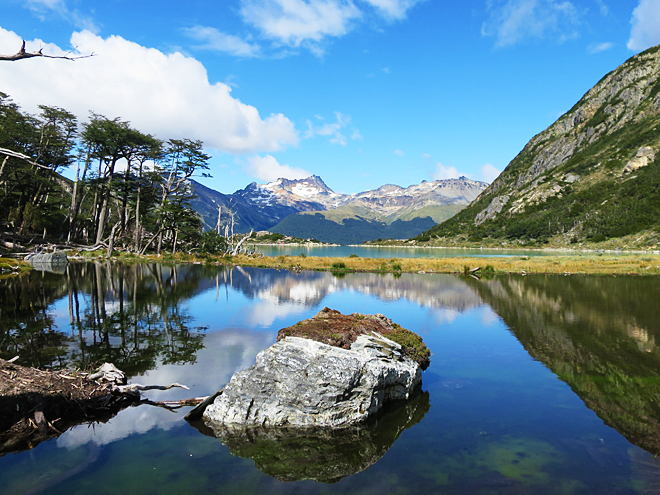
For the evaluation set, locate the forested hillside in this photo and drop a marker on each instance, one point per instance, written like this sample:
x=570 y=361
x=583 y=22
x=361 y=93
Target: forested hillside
x=593 y=176
x=130 y=189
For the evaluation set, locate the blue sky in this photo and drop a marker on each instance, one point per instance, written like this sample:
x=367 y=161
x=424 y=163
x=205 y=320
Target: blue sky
x=359 y=92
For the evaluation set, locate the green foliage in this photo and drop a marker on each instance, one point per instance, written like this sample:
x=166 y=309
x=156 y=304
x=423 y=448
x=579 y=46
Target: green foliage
x=397 y=267
x=212 y=243
x=339 y=265
x=413 y=345
x=353 y=255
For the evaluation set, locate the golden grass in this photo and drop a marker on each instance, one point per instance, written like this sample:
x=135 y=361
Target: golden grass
x=585 y=263
x=12 y=266
x=590 y=264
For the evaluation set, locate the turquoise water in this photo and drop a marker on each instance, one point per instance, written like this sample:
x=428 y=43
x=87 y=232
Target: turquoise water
x=399 y=252
x=537 y=384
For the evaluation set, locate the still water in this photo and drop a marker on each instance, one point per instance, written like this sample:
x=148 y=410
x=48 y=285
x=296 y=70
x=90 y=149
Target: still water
x=400 y=252
x=537 y=384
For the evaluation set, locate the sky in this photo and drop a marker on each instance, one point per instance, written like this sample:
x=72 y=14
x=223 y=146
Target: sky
x=359 y=92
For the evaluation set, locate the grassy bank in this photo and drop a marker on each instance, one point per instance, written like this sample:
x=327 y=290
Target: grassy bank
x=591 y=263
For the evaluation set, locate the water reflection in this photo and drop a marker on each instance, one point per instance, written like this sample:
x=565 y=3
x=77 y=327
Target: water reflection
x=598 y=334
x=501 y=421
x=322 y=454
x=126 y=314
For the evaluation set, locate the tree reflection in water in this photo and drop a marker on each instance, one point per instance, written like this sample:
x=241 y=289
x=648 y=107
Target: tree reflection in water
x=130 y=315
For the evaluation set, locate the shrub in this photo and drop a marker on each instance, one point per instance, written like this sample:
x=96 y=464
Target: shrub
x=412 y=344
x=339 y=265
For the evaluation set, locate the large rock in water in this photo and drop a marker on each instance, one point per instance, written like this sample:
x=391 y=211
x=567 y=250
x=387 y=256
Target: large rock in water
x=298 y=382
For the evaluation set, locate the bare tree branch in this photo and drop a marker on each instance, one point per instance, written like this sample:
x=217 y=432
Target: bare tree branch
x=21 y=54
x=21 y=156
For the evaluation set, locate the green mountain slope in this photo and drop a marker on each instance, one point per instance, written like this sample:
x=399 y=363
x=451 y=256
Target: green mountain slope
x=591 y=176
x=355 y=230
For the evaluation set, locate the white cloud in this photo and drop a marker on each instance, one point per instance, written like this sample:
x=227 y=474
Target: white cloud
x=443 y=172
x=168 y=95
x=512 y=21
x=300 y=22
x=645 y=22
x=386 y=70
x=332 y=130
x=59 y=7
x=393 y=9
x=213 y=39
x=267 y=168
x=311 y=24
x=426 y=156
x=599 y=47
x=604 y=9
x=399 y=152
x=489 y=173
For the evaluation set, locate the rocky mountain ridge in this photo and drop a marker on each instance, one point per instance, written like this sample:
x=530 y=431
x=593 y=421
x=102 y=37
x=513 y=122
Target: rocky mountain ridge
x=591 y=176
x=262 y=207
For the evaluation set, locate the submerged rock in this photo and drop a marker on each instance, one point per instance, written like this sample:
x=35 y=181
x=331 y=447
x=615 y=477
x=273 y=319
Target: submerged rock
x=299 y=382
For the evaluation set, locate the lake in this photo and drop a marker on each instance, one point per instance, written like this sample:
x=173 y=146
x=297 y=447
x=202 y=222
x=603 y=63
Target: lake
x=402 y=252
x=537 y=384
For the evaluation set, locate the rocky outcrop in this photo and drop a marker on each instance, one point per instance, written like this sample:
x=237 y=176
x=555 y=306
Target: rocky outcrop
x=643 y=157
x=303 y=383
x=493 y=209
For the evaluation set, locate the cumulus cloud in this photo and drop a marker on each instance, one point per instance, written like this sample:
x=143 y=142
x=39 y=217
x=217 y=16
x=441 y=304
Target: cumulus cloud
x=333 y=130
x=399 y=152
x=212 y=39
x=599 y=47
x=645 y=22
x=443 y=172
x=512 y=21
x=311 y=24
x=267 y=168
x=168 y=95
x=489 y=173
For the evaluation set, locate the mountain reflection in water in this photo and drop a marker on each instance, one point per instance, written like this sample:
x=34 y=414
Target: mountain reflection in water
x=598 y=334
x=501 y=422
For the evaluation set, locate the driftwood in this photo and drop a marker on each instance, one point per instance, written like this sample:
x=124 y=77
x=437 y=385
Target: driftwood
x=37 y=405
x=23 y=54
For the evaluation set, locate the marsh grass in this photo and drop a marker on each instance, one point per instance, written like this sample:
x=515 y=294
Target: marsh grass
x=585 y=263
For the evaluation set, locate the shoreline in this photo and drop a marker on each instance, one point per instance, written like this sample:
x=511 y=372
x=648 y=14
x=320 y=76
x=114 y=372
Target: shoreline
x=583 y=262
x=591 y=264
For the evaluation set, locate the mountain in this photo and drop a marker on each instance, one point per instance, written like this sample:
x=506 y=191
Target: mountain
x=591 y=176
x=387 y=212
x=309 y=208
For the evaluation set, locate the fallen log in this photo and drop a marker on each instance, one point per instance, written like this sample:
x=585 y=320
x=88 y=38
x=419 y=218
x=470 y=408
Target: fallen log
x=37 y=405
